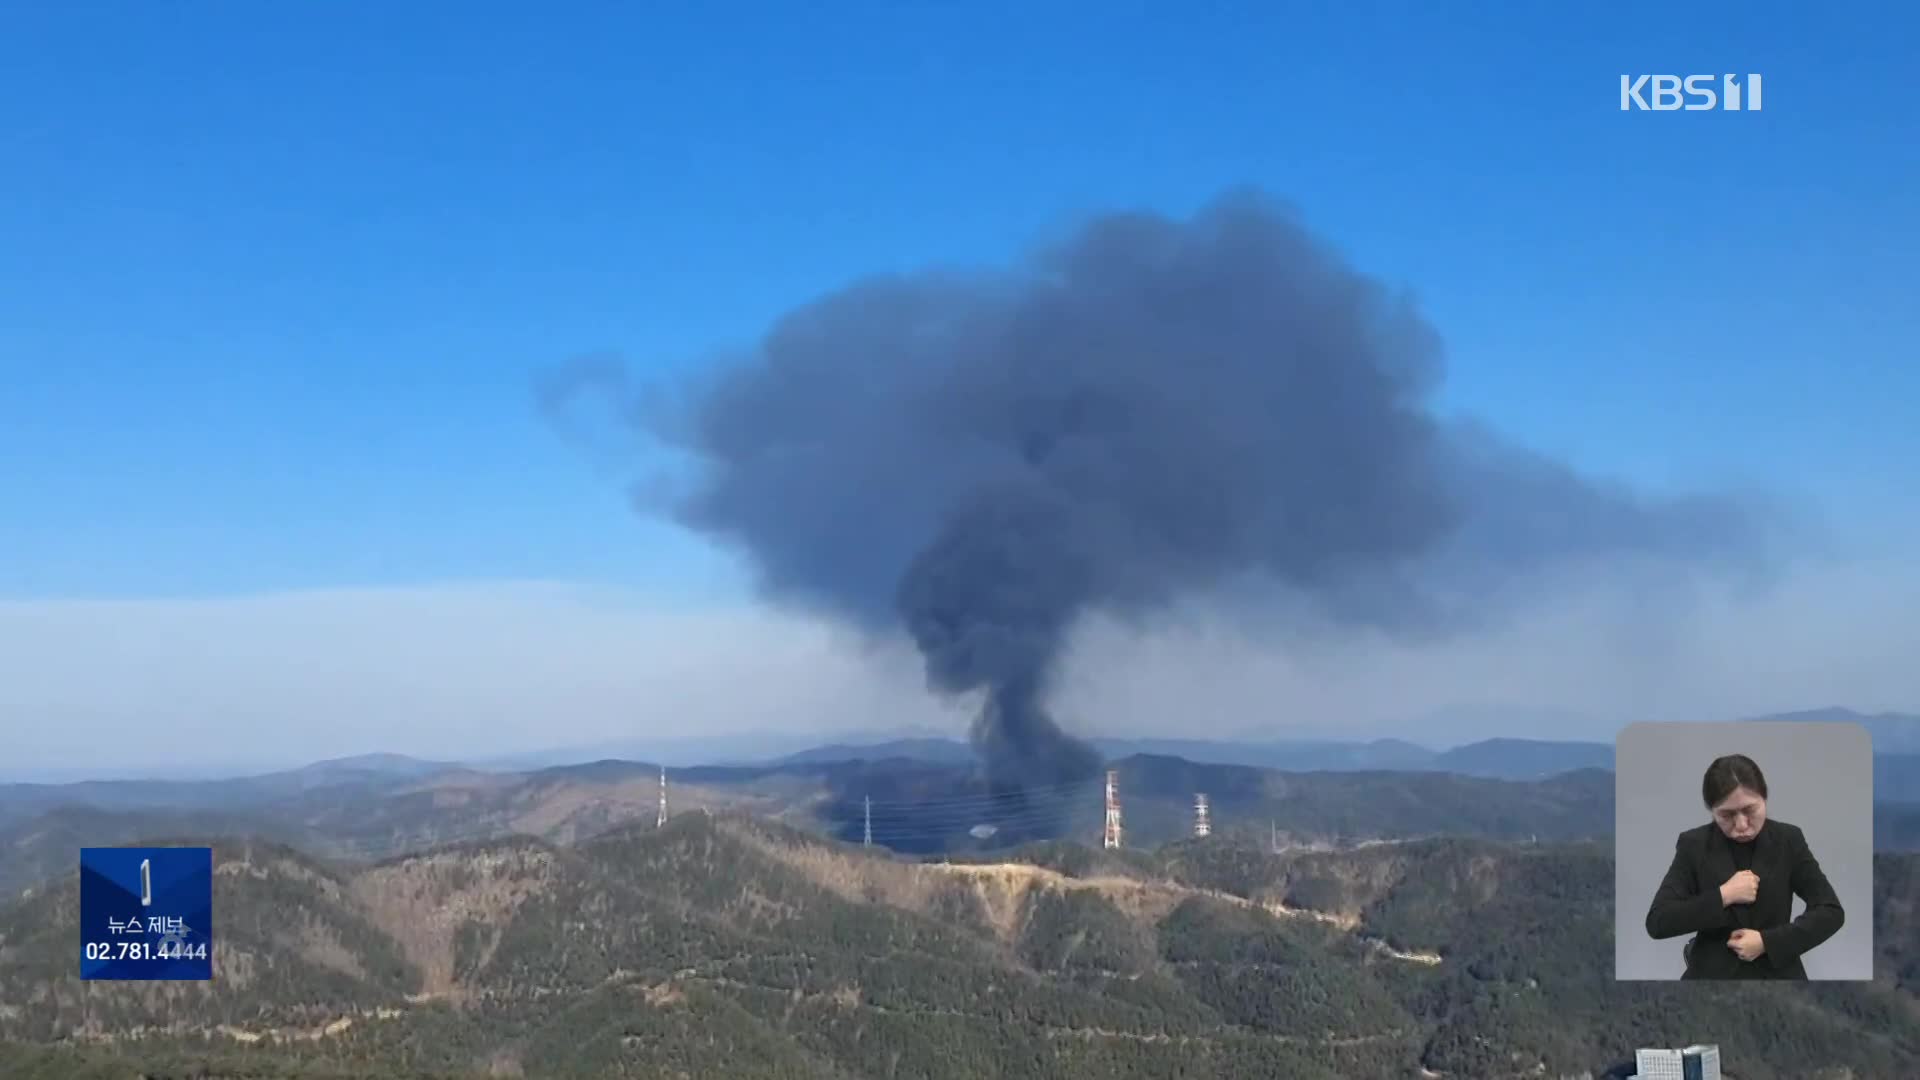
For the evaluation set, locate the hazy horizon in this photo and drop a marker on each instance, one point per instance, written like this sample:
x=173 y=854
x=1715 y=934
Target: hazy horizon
x=756 y=747
x=490 y=671
x=484 y=670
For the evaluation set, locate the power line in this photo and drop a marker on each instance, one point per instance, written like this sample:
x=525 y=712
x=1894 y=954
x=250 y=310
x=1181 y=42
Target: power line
x=988 y=803
x=887 y=820
x=903 y=829
x=1081 y=811
x=897 y=825
x=974 y=817
x=993 y=798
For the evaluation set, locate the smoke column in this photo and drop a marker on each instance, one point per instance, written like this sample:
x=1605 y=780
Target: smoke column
x=1152 y=407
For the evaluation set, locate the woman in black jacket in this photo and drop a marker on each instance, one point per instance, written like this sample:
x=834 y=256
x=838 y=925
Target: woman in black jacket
x=1733 y=881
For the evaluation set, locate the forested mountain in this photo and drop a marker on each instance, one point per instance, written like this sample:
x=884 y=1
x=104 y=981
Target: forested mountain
x=723 y=945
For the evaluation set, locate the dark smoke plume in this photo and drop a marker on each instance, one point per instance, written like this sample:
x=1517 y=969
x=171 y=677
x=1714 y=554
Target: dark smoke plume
x=1153 y=407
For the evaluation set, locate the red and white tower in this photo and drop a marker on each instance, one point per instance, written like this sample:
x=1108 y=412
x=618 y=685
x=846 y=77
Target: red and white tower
x=1113 y=809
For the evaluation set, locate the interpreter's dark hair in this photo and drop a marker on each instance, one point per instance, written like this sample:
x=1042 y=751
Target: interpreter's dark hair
x=1728 y=773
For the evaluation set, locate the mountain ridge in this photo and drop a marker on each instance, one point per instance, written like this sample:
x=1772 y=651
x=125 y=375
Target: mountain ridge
x=910 y=805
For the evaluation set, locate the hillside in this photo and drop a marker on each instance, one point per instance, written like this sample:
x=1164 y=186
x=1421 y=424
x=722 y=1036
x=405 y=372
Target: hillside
x=365 y=814
x=731 y=946
x=47 y=846
x=1896 y=777
x=1324 y=807
x=294 y=950
x=1896 y=826
x=1523 y=759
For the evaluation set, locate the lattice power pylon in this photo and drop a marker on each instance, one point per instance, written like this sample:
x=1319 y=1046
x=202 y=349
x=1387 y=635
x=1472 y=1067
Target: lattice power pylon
x=1112 y=839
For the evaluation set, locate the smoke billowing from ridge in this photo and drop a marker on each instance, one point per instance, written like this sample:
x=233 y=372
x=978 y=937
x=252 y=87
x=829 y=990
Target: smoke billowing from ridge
x=1155 y=406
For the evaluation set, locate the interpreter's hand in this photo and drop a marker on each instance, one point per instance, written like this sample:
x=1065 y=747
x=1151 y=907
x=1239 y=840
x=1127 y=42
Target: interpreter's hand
x=1741 y=888
x=1746 y=944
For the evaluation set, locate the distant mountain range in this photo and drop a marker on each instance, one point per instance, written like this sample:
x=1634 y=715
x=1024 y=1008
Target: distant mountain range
x=739 y=748
x=1896 y=743
x=1511 y=759
x=1892 y=733
x=936 y=750
x=1507 y=757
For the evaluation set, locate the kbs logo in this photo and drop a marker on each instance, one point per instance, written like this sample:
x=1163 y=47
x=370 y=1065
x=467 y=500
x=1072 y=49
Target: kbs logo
x=1694 y=93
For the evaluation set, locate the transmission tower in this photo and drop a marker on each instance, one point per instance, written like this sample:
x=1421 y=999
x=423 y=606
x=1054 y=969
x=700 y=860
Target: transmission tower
x=1112 y=839
x=662 y=821
x=868 y=809
x=1201 y=826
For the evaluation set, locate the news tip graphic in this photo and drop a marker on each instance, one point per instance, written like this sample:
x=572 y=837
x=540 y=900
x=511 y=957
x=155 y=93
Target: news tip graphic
x=146 y=913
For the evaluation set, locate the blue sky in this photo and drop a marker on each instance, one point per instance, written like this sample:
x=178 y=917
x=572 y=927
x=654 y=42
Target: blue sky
x=278 y=279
